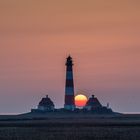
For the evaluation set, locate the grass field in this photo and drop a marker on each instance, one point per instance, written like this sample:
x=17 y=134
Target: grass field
x=126 y=127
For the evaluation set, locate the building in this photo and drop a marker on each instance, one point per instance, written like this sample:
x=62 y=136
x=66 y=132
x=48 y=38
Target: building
x=69 y=87
x=45 y=105
x=93 y=103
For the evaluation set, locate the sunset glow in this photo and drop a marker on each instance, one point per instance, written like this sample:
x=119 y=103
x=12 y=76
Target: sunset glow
x=103 y=37
x=80 y=100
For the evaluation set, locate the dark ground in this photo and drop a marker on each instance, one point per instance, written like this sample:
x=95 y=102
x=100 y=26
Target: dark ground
x=70 y=127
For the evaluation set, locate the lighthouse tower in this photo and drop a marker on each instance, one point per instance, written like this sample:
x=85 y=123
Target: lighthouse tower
x=69 y=88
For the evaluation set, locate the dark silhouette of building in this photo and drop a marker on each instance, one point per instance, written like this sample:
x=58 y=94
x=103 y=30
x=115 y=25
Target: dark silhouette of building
x=45 y=105
x=93 y=103
x=69 y=87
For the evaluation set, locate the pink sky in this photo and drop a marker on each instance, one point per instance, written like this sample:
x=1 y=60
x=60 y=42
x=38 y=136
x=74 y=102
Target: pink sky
x=103 y=38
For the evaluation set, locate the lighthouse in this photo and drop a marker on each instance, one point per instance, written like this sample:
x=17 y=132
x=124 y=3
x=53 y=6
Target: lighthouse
x=69 y=86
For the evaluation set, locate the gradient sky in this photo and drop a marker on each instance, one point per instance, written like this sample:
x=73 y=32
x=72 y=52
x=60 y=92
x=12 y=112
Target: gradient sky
x=103 y=37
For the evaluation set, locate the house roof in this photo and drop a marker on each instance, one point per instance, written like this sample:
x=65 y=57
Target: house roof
x=46 y=102
x=93 y=101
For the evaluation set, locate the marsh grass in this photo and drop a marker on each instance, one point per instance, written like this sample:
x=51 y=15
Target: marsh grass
x=68 y=130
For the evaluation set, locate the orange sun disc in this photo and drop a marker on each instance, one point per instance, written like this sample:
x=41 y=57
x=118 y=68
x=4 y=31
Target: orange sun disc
x=80 y=100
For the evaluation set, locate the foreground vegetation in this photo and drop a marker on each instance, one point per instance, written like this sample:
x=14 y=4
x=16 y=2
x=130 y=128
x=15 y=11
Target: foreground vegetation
x=92 y=128
x=70 y=133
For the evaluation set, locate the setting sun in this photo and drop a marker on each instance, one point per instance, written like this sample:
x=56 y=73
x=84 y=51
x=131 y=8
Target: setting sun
x=80 y=100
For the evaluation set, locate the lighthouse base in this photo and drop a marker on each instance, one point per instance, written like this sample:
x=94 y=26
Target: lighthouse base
x=69 y=107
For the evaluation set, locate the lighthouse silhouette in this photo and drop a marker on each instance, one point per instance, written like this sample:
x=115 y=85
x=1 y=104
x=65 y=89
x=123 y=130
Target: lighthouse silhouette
x=69 y=87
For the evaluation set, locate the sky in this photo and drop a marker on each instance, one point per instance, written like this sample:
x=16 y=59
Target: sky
x=102 y=36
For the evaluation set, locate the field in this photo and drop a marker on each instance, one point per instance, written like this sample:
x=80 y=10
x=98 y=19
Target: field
x=70 y=127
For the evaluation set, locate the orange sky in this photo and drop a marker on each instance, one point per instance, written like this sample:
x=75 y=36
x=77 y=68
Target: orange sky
x=102 y=37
